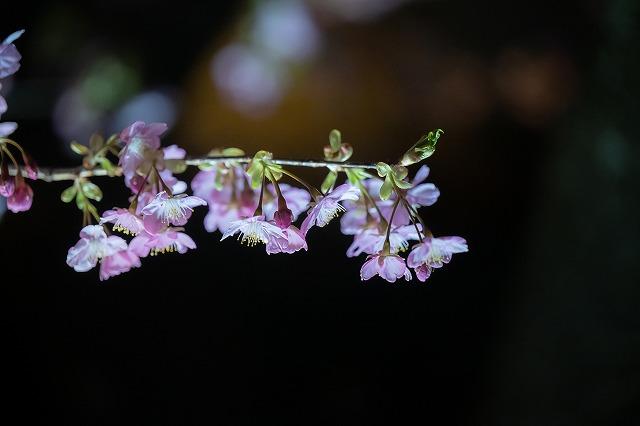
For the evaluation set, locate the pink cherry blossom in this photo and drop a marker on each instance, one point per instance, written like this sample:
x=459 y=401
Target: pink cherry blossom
x=21 y=198
x=371 y=240
x=292 y=241
x=329 y=207
x=141 y=140
x=123 y=220
x=167 y=240
x=9 y=55
x=254 y=230
x=166 y=210
x=434 y=253
x=390 y=267
x=94 y=244
x=118 y=263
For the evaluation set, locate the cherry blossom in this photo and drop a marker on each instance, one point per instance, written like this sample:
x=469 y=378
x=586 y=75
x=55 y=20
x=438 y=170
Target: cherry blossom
x=329 y=207
x=388 y=266
x=123 y=220
x=434 y=253
x=94 y=244
x=166 y=240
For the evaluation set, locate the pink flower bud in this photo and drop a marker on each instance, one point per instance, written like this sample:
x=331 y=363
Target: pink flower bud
x=283 y=218
x=22 y=197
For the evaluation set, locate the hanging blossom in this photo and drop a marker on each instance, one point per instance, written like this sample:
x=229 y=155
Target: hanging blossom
x=387 y=266
x=17 y=191
x=235 y=199
x=169 y=210
x=246 y=197
x=434 y=253
x=329 y=207
x=95 y=246
x=9 y=55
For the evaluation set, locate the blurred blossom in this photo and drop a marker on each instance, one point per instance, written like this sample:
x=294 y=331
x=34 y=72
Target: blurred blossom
x=285 y=29
x=247 y=79
x=153 y=106
x=358 y=10
x=73 y=118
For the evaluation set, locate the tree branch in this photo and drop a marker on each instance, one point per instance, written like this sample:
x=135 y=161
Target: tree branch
x=48 y=174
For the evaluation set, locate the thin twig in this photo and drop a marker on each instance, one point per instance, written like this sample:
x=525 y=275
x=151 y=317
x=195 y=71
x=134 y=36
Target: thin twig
x=61 y=174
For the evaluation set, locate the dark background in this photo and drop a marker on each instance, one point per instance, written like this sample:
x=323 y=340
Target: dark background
x=537 y=325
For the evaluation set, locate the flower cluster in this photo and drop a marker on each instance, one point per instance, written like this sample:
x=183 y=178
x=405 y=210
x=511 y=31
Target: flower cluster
x=255 y=199
x=17 y=191
x=157 y=211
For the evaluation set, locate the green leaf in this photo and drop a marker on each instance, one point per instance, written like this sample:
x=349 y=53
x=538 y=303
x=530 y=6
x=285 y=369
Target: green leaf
x=329 y=181
x=335 y=139
x=402 y=184
x=386 y=189
x=69 y=194
x=383 y=169
x=96 y=142
x=424 y=148
x=80 y=201
x=79 y=148
x=91 y=191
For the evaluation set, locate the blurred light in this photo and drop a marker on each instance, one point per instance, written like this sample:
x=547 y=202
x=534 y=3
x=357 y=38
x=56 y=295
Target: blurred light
x=3 y=206
x=536 y=86
x=286 y=30
x=247 y=80
x=358 y=10
x=153 y=106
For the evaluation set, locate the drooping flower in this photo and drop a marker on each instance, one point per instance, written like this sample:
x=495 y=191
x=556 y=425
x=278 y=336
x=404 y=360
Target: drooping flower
x=166 y=210
x=329 y=207
x=22 y=197
x=292 y=242
x=123 y=221
x=254 y=230
x=94 y=244
x=118 y=263
x=142 y=142
x=9 y=55
x=166 y=240
x=390 y=267
x=434 y=253
x=371 y=240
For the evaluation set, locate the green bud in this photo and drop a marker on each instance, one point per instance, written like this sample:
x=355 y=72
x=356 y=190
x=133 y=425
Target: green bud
x=387 y=188
x=335 y=139
x=68 y=194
